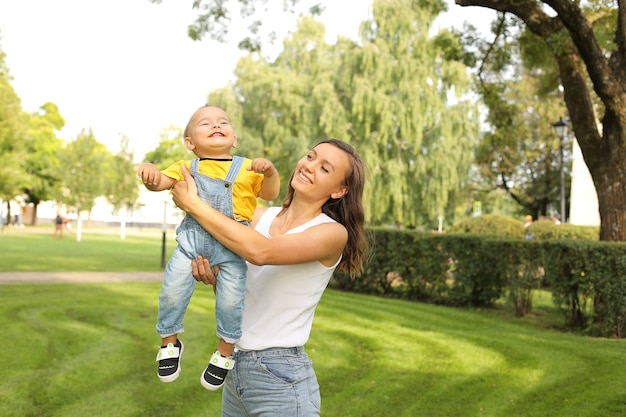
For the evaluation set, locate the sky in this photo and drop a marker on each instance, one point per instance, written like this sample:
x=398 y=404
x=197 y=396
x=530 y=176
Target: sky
x=128 y=68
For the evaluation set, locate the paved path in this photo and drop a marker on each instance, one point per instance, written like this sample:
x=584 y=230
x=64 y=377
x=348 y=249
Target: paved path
x=77 y=277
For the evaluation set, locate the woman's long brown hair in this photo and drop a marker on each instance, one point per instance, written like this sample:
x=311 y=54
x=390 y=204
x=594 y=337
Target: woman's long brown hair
x=347 y=210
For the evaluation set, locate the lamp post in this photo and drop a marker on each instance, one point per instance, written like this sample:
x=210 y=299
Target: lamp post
x=560 y=128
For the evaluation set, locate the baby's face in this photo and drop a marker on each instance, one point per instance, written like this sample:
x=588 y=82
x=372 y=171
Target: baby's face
x=210 y=134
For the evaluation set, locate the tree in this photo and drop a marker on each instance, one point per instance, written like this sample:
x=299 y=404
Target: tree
x=169 y=150
x=13 y=177
x=409 y=112
x=215 y=19
x=121 y=188
x=520 y=153
x=291 y=103
x=592 y=72
x=41 y=162
x=397 y=94
x=369 y=94
x=587 y=41
x=86 y=166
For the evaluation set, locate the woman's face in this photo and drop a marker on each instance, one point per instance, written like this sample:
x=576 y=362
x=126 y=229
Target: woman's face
x=322 y=172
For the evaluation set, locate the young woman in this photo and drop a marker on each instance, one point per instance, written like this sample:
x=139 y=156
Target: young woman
x=292 y=252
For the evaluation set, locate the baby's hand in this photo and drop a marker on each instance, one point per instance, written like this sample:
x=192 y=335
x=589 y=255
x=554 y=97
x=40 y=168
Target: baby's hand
x=149 y=174
x=262 y=166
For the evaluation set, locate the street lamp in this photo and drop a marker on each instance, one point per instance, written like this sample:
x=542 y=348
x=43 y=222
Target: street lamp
x=560 y=128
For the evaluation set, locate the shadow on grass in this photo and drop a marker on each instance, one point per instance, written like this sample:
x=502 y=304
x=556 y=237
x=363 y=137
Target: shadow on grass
x=83 y=350
x=411 y=359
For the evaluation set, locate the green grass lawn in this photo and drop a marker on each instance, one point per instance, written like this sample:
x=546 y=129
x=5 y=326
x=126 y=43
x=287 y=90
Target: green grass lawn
x=34 y=249
x=89 y=349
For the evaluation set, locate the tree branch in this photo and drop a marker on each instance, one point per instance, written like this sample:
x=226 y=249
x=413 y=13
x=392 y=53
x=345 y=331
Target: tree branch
x=571 y=68
x=579 y=28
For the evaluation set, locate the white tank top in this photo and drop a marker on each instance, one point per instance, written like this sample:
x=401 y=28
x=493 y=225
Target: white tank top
x=280 y=300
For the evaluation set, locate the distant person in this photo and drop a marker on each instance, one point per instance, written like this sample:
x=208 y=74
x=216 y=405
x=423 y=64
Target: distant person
x=14 y=209
x=230 y=184
x=20 y=214
x=58 y=226
x=528 y=220
x=556 y=219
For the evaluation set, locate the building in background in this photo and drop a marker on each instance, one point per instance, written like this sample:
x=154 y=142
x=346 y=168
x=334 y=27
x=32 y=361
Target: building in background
x=153 y=210
x=583 y=208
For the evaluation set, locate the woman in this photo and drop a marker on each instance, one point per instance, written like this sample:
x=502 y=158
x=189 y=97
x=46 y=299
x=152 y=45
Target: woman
x=292 y=252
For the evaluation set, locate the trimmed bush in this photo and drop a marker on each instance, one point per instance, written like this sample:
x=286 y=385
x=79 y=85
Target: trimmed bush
x=489 y=224
x=547 y=230
x=587 y=278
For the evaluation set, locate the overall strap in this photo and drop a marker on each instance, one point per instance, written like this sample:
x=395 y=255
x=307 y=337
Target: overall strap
x=235 y=166
x=194 y=165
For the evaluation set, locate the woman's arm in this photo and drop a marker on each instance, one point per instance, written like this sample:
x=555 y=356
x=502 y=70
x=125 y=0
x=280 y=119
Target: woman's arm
x=323 y=243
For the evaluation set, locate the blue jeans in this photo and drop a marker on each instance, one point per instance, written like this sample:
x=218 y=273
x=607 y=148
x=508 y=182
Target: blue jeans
x=276 y=382
x=178 y=286
x=178 y=283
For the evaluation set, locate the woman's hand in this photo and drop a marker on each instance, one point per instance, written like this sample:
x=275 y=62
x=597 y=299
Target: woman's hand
x=185 y=192
x=202 y=271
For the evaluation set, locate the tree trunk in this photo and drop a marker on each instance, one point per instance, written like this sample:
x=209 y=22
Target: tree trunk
x=609 y=178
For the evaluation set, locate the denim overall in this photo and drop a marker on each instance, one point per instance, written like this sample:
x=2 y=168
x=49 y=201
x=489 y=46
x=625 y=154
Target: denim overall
x=193 y=240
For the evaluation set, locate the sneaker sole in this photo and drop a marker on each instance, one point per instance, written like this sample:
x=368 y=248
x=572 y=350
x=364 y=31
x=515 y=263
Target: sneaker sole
x=208 y=386
x=175 y=375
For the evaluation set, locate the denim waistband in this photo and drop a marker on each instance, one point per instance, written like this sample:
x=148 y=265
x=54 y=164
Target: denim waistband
x=298 y=350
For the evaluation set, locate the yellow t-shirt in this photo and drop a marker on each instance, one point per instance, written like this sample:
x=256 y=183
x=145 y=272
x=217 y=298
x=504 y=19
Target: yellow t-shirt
x=245 y=189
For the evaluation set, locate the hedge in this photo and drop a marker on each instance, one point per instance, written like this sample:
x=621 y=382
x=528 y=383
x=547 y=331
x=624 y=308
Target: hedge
x=587 y=278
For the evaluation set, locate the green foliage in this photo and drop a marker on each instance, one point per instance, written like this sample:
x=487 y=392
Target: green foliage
x=538 y=60
x=43 y=167
x=547 y=229
x=583 y=40
x=121 y=188
x=399 y=95
x=543 y=229
x=603 y=16
x=609 y=301
x=387 y=96
x=12 y=147
x=43 y=146
x=522 y=268
x=82 y=183
x=399 y=124
x=522 y=149
x=585 y=276
x=389 y=270
x=455 y=270
x=518 y=80
x=170 y=149
x=477 y=278
x=489 y=224
x=588 y=283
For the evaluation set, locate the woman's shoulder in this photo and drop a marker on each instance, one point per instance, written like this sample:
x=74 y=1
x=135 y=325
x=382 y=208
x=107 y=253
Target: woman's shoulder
x=259 y=212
